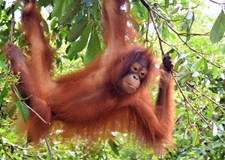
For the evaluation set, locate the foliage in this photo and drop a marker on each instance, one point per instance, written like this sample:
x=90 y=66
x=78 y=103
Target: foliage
x=195 y=42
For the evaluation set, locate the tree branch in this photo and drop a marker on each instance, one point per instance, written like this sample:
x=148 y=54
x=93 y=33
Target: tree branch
x=188 y=102
x=21 y=99
x=216 y=2
x=192 y=88
x=179 y=36
x=12 y=23
x=148 y=7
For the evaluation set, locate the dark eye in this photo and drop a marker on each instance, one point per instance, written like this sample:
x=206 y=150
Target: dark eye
x=142 y=74
x=135 y=67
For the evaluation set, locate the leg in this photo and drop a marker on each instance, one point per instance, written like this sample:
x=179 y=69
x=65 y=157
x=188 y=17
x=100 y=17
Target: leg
x=19 y=67
x=39 y=66
x=35 y=126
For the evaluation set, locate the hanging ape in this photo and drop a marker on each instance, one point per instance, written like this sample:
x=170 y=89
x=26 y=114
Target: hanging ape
x=109 y=94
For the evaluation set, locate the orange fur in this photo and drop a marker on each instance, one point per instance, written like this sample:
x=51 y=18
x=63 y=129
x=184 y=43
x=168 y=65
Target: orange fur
x=86 y=102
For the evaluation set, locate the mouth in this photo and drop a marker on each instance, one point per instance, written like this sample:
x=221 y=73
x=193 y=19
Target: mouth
x=131 y=86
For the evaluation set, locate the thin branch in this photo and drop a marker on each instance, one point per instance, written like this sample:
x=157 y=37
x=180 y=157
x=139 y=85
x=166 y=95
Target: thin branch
x=146 y=35
x=12 y=8
x=153 y=21
x=194 y=34
x=48 y=147
x=16 y=146
x=160 y=42
x=179 y=36
x=146 y=4
x=18 y=96
x=186 y=100
x=12 y=23
x=189 y=121
x=216 y=2
x=192 y=87
x=194 y=7
x=8 y=155
x=37 y=114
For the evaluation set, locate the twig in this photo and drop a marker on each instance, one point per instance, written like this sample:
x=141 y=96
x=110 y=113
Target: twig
x=189 y=122
x=146 y=38
x=16 y=146
x=8 y=155
x=12 y=124
x=204 y=95
x=153 y=21
x=12 y=7
x=146 y=4
x=194 y=34
x=12 y=23
x=37 y=114
x=179 y=36
x=186 y=100
x=18 y=96
x=48 y=147
x=216 y=2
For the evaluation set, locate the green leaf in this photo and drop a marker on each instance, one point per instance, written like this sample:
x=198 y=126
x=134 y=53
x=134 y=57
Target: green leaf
x=206 y=67
x=57 y=8
x=192 y=19
x=165 y=32
x=96 y=10
x=190 y=16
x=138 y=8
x=184 y=26
x=195 y=138
x=175 y=10
x=53 y=24
x=184 y=75
x=10 y=110
x=3 y=64
x=77 y=30
x=215 y=130
x=94 y=47
x=114 y=147
x=0 y=11
x=4 y=93
x=178 y=63
x=167 y=3
x=44 y=2
x=23 y=110
x=171 y=51
x=70 y=13
x=80 y=44
x=218 y=28
x=45 y=25
x=199 y=64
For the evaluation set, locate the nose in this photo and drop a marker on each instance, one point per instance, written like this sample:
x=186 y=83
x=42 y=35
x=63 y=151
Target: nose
x=135 y=77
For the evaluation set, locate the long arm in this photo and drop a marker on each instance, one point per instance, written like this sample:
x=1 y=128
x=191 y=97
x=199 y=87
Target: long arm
x=115 y=24
x=149 y=127
x=165 y=104
x=40 y=52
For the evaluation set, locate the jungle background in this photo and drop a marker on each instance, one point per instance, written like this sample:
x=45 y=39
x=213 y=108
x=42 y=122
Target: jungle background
x=191 y=31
